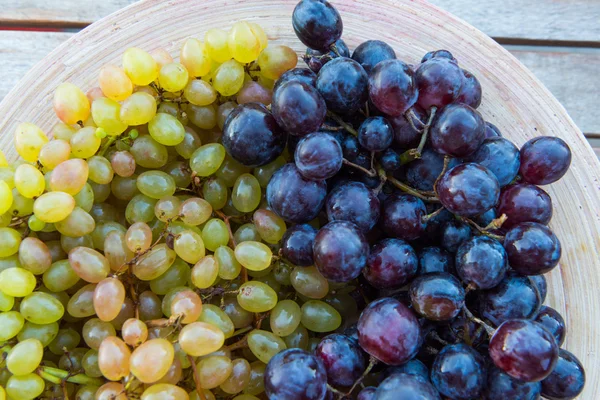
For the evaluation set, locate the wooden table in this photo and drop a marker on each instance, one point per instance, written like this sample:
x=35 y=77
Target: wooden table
x=559 y=40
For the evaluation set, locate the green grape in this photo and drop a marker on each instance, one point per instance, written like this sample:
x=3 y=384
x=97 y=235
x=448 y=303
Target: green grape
x=84 y=143
x=55 y=250
x=156 y=184
x=167 y=208
x=285 y=317
x=67 y=338
x=256 y=383
x=84 y=199
x=215 y=192
x=10 y=240
x=282 y=273
x=69 y=244
x=246 y=193
x=207 y=159
x=213 y=315
x=178 y=274
x=223 y=112
x=256 y=297
x=34 y=255
x=149 y=306
x=216 y=45
x=213 y=371
x=41 y=308
x=245 y=233
x=195 y=211
x=53 y=207
x=154 y=263
x=266 y=278
x=162 y=390
x=90 y=265
x=104 y=213
x=71 y=105
x=140 y=209
x=6 y=198
x=29 y=181
x=94 y=331
x=229 y=267
x=25 y=387
x=175 y=228
x=270 y=226
x=180 y=171
x=264 y=345
x=298 y=338
x=11 y=322
x=240 y=317
x=114 y=83
x=45 y=333
x=29 y=140
x=204 y=117
x=215 y=234
x=78 y=223
x=7 y=175
x=17 y=282
x=107 y=115
x=255 y=256
x=166 y=129
x=25 y=357
x=244 y=44
x=189 y=246
x=173 y=77
x=102 y=231
x=63 y=131
x=101 y=192
x=139 y=66
x=127 y=311
x=124 y=188
x=148 y=153
x=194 y=57
x=199 y=92
x=89 y=363
x=239 y=378
x=260 y=34
x=6 y=302
x=205 y=272
x=229 y=78
x=309 y=282
x=21 y=206
x=101 y=170
x=275 y=60
x=87 y=393
x=81 y=304
x=6 y=218
x=60 y=276
x=191 y=141
x=230 y=170
x=138 y=109
x=318 y=316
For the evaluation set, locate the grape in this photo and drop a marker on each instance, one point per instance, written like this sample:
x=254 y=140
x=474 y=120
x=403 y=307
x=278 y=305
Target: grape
x=343 y=359
x=468 y=190
x=114 y=83
x=315 y=59
x=285 y=318
x=228 y=79
x=139 y=66
x=437 y=54
x=532 y=248
x=544 y=160
x=346 y=97
x=166 y=129
x=439 y=81
x=163 y=391
x=295 y=374
x=215 y=234
x=437 y=296
x=152 y=360
x=304 y=75
x=298 y=107
x=11 y=322
x=554 y=323
x=70 y=104
x=567 y=379
x=213 y=371
x=375 y=134
x=500 y=156
x=34 y=255
x=6 y=197
x=435 y=259
x=107 y=115
x=392 y=87
x=453 y=234
x=200 y=338
x=353 y=202
x=215 y=41
x=459 y=372
x=500 y=386
x=17 y=282
x=81 y=304
x=401 y=216
x=470 y=92
x=254 y=256
x=372 y=52
x=25 y=387
x=29 y=140
x=138 y=237
x=297 y=244
x=100 y=170
x=309 y=282
x=317 y=23
x=318 y=156
x=69 y=176
x=269 y=226
x=391 y=264
x=110 y=391
x=95 y=331
x=318 y=316
x=245 y=195
x=540 y=283
x=25 y=357
x=403 y=386
x=148 y=153
x=481 y=262
x=194 y=56
x=229 y=267
x=109 y=296
x=524 y=350
x=256 y=297
x=254 y=92
x=78 y=223
x=244 y=44
x=215 y=316
x=41 y=308
x=89 y=264
x=114 y=358
x=275 y=60
x=29 y=181
x=154 y=263
x=523 y=202
x=264 y=345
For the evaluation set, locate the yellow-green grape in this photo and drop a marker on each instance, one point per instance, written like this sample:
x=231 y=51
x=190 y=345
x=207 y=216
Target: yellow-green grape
x=270 y=226
x=161 y=56
x=138 y=109
x=45 y=333
x=78 y=223
x=205 y=273
x=53 y=207
x=195 y=211
x=173 y=77
x=54 y=152
x=266 y=278
x=34 y=255
x=309 y=282
x=207 y=159
x=213 y=371
x=66 y=338
x=214 y=234
x=166 y=129
x=70 y=176
x=7 y=175
x=201 y=338
x=85 y=198
x=243 y=43
x=177 y=275
x=114 y=358
x=223 y=112
x=246 y=232
x=318 y=316
x=256 y=384
x=107 y=115
x=275 y=60
x=256 y=297
x=239 y=378
x=134 y=332
x=141 y=68
x=194 y=56
x=101 y=192
x=260 y=34
x=167 y=300
x=11 y=322
x=191 y=141
x=180 y=171
x=167 y=208
x=140 y=209
x=246 y=193
x=69 y=244
x=6 y=302
x=6 y=219
x=297 y=339
x=85 y=143
x=25 y=357
x=29 y=140
x=114 y=83
x=188 y=305
x=230 y=170
x=6 y=197
x=215 y=192
x=81 y=304
x=154 y=263
x=156 y=184
x=199 y=92
x=216 y=45
x=266 y=82
x=94 y=331
x=148 y=153
x=151 y=361
x=204 y=117
x=161 y=391
x=21 y=206
x=116 y=251
x=240 y=317
x=228 y=79
x=264 y=345
x=90 y=366
x=109 y=297
x=229 y=267
x=17 y=282
x=100 y=170
x=189 y=246
x=29 y=181
x=63 y=131
x=41 y=308
x=25 y=387
x=102 y=230
x=264 y=173
x=71 y=105
x=90 y=265
x=213 y=315
x=175 y=228
x=255 y=256
x=138 y=237
x=285 y=317
x=111 y=391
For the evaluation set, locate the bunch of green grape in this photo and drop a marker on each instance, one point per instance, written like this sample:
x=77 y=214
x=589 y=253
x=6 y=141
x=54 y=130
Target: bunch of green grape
x=139 y=260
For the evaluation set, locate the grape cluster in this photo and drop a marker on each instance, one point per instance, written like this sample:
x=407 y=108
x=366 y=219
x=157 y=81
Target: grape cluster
x=229 y=226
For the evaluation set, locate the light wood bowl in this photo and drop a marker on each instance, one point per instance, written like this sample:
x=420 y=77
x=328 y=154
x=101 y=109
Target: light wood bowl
x=513 y=99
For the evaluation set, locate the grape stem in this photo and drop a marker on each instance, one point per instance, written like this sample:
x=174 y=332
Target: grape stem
x=372 y=362
x=196 y=379
x=240 y=344
x=335 y=50
x=414 y=154
x=56 y=375
x=342 y=123
x=370 y=173
x=18 y=221
x=434 y=214
x=426 y=131
x=485 y=231
x=407 y=189
x=107 y=145
x=411 y=117
x=490 y=331
x=444 y=168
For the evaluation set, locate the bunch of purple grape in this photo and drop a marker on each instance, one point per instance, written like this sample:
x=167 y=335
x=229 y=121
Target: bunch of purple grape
x=433 y=219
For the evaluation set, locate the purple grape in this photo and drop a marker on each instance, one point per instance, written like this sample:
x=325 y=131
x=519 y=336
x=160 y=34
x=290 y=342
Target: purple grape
x=412 y=367
x=437 y=296
x=392 y=87
x=391 y=264
x=457 y=130
x=501 y=386
x=340 y=251
x=298 y=108
x=389 y=160
x=389 y=331
x=367 y=393
x=470 y=92
x=435 y=259
x=343 y=83
x=453 y=234
x=532 y=248
x=293 y=197
x=524 y=350
x=553 y=322
x=468 y=190
x=372 y=52
x=436 y=54
x=541 y=284
x=406 y=387
x=375 y=134
x=304 y=75
x=252 y=136
x=354 y=202
x=459 y=372
x=461 y=328
x=295 y=374
x=318 y=156
x=315 y=59
x=422 y=173
x=439 y=81
x=500 y=156
x=402 y=216
x=317 y=23
x=481 y=262
x=405 y=136
x=491 y=130
x=487 y=217
x=524 y=202
x=343 y=359
x=297 y=243
x=567 y=379
x=544 y=160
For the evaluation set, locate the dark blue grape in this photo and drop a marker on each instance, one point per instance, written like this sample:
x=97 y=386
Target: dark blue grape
x=402 y=216
x=541 y=284
x=252 y=136
x=412 y=367
x=524 y=202
x=304 y=75
x=453 y=234
x=406 y=387
x=567 y=380
x=392 y=87
x=298 y=108
x=437 y=296
x=367 y=393
x=343 y=83
x=405 y=136
x=391 y=264
x=459 y=372
x=318 y=156
x=491 y=130
x=553 y=322
x=297 y=243
x=501 y=386
x=343 y=359
x=437 y=53
x=372 y=52
x=544 y=160
x=340 y=251
x=350 y=147
x=315 y=59
x=501 y=157
x=470 y=91
x=293 y=197
x=422 y=173
x=354 y=202
x=389 y=160
x=435 y=259
x=439 y=81
x=375 y=134
x=457 y=130
x=295 y=374
x=481 y=262
x=532 y=248
x=317 y=23
x=487 y=217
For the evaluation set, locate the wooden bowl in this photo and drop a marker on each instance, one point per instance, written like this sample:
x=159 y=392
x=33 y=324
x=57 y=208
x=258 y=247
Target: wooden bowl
x=513 y=99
